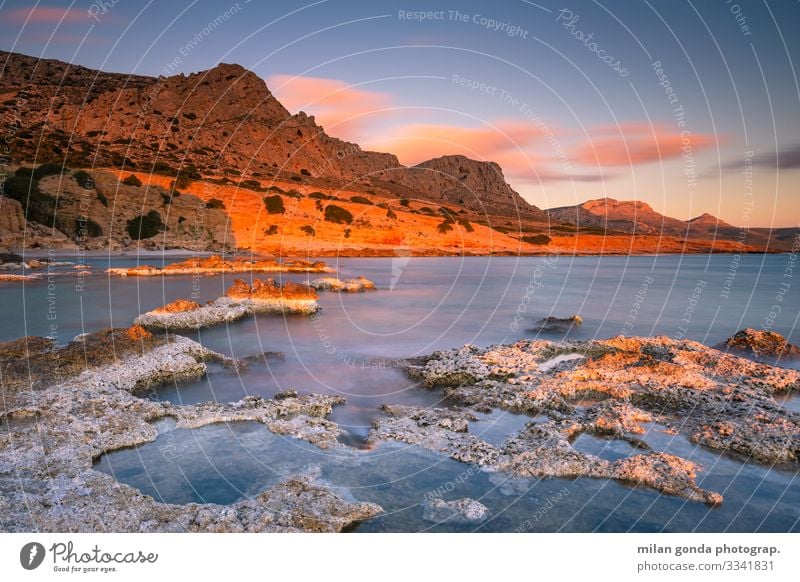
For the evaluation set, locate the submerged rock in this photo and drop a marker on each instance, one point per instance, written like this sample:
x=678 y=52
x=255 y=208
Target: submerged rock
x=557 y=324
x=78 y=412
x=461 y=511
x=240 y=301
x=761 y=344
x=356 y=285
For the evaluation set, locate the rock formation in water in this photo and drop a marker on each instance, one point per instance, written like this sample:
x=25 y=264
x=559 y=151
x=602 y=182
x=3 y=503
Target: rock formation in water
x=216 y=265
x=554 y=324
x=356 y=285
x=77 y=405
x=760 y=344
x=716 y=399
x=241 y=300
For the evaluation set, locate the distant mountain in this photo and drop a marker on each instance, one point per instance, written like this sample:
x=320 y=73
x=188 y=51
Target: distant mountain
x=636 y=217
x=708 y=220
x=621 y=216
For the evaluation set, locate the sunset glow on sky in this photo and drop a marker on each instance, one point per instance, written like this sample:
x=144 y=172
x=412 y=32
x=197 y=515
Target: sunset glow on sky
x=684 y=105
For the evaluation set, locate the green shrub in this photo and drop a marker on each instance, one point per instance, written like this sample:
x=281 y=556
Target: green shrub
x=305 y=172
x=274 y=188
x=255 y=185
x=309 y=230
x=390 y=214
x=537 y=239
x=293 y=194
x=215 y=203
x=163 y=168
x=273 y=229
x=86 y=227
x=48 y=170
x=405 y=202
x=360 y=200
x=445 y=227
x=102 y=198
x=319 y=196
x=274 y=204
x=346 y=233
x=183 y=180
x=83 y=179
x=465 y=225
x=23 y=187
x=337 y=215
x=146 y=226
x=132 y=180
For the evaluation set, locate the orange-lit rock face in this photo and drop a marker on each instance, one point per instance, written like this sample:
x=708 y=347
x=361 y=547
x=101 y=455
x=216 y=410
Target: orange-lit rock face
x=268 y=289
x=762 y=344
x=138 y=333
x=178 y=306
x=215 y=264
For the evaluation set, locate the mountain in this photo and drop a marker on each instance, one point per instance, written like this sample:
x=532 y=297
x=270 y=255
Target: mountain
x=622 y=216
x=639 y=218
x=479 y=186
x=706 y=219
x=213 y=161
x=217 y=124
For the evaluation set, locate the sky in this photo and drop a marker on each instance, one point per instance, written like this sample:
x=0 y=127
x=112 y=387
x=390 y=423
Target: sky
x=690 y=106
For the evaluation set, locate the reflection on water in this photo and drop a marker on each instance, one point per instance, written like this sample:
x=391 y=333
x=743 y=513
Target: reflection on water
x=422 y=305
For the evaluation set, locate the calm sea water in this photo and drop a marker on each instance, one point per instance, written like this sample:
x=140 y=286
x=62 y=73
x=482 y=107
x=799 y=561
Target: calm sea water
x=424 y=304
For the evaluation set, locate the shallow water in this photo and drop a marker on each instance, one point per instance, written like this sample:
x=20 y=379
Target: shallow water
x=422 y=305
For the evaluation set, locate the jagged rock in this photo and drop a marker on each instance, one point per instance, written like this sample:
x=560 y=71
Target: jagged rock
x=80 y=412
x=460 y=511
x=761 y=344
x=241 y=300
x=557 y=324
x=6 y=257
x=539 y=450
x=716 y=399
x=215 y=265
x=348 y=286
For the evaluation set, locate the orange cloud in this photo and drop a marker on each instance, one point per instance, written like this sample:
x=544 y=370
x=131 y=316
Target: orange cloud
x=638 y=143
x=45 y=15
x=341 y=108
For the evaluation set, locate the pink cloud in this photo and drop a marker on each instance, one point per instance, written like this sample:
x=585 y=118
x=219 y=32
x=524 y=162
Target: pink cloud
x=342 y=109
x=639 y=143
x=44 y=15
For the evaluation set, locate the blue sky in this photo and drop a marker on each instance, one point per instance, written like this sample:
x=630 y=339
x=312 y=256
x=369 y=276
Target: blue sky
x=516 y=82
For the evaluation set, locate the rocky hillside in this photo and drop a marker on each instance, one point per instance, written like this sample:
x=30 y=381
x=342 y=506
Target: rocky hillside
x=223 y=124
x=479 y=186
